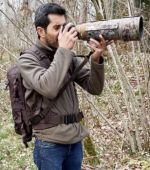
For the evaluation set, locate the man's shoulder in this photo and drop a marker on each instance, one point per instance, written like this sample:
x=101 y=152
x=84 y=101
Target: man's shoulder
x=29 y=53
x=27 y=57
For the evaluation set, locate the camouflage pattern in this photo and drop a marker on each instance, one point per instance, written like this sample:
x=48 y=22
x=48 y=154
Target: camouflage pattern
x=126 y=29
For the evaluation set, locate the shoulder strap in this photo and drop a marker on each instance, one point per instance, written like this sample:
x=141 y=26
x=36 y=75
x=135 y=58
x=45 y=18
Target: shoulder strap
x=86 y=58
x=44 y=61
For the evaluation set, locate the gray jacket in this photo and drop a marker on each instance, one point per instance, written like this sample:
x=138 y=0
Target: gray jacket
x=47 y=82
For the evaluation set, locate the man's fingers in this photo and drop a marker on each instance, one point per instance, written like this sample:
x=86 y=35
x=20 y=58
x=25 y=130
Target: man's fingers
x=72 y=30
x=67 y=27
x=102 y=40
x=94 y=41
x=75 y=38
x=61 y=29
x=74 y=34
x=92 y=47
x=101 y=43
x=109 y=42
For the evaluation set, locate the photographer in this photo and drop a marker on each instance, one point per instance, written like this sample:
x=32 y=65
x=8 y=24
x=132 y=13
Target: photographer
x=58 y=144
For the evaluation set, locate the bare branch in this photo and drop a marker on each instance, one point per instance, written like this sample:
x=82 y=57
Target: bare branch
x=16 y=26
x=8 y=51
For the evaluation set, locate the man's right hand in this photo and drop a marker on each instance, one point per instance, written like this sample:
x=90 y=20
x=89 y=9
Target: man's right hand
x=67 y=39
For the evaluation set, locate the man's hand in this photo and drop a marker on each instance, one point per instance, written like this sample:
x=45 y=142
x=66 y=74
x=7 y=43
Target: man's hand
x=67 y=39
x=98 y=47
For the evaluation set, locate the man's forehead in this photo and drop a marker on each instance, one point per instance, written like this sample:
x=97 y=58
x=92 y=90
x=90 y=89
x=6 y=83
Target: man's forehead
x=57 y=19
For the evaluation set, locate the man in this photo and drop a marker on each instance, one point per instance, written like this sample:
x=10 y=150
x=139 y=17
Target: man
x=58 y=145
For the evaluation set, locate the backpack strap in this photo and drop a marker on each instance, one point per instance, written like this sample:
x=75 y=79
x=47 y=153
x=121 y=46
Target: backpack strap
x=43 y=59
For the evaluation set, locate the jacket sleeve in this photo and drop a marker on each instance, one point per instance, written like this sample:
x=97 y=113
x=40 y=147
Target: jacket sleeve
x=91 y=79
x=47 y=82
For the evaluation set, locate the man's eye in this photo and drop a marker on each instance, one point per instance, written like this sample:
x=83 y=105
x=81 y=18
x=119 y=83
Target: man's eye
x=57 y=27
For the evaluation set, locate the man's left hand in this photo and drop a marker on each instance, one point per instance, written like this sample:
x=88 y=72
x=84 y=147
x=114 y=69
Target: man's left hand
x=98 y=47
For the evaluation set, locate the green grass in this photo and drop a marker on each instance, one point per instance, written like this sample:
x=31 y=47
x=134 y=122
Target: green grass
x=13 y=154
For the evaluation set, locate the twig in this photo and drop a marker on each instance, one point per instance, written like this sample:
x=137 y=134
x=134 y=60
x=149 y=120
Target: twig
x=87 y=166
x=102 y=115
x=3 y=70
x=146 y=31
x=98 y=9
x=124 y=120
x=40 y=2
x=25 y=41
x=16 y=26
x=8 y=51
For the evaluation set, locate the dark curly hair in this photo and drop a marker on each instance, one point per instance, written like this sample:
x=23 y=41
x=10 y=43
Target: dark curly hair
x=41 y=14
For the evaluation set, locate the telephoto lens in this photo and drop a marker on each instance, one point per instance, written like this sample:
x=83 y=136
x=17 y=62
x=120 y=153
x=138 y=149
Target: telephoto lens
x=126 y=29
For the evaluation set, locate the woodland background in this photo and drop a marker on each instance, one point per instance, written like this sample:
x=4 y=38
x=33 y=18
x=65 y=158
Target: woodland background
x=118 y=119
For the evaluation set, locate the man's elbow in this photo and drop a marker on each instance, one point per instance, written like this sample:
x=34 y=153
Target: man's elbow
x=51 y=94
x=97 y=91
x=48 y=93
x=47 y=90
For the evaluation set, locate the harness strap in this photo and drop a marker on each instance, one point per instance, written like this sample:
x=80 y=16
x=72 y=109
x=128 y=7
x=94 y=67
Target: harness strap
x=57 y=119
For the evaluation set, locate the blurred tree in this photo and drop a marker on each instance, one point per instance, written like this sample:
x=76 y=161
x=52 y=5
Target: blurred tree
x=144 y=5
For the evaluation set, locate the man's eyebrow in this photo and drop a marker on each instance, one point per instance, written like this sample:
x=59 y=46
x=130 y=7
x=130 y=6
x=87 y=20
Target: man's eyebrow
x=57 y=25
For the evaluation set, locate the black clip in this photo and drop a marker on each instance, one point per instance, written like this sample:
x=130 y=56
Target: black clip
x=36 y=119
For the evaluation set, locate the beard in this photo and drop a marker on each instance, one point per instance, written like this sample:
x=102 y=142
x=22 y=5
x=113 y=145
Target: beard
x=52 y=44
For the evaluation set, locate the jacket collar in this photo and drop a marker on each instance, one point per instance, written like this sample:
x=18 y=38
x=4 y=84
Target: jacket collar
x=48 y=51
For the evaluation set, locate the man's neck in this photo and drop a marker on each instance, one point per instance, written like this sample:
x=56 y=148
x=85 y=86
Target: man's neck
x=43 y=42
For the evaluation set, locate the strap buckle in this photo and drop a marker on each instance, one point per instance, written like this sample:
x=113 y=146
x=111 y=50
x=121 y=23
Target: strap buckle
x=72 y=118
x=69 y=119
x=36 y=119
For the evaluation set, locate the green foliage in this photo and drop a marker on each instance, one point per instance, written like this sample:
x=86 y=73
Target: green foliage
x=90 y=152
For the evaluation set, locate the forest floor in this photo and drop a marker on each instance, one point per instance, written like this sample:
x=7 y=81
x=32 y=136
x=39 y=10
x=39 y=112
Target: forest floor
x=110 y=152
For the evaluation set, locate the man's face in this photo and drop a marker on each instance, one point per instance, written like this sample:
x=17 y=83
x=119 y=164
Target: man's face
x=52 y=32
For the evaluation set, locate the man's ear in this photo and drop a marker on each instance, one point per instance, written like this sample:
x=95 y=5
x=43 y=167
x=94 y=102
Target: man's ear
x=41 y=32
